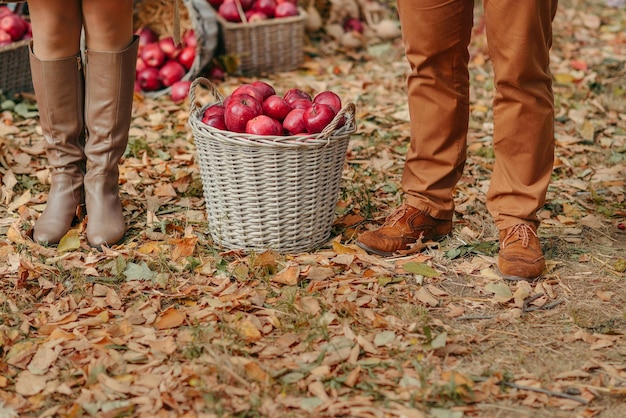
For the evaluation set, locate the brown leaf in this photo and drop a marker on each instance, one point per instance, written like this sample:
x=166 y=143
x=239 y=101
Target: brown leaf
x=171 y=318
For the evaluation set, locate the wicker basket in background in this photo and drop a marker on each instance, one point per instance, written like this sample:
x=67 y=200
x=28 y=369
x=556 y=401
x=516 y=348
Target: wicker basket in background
x=15 y=68
x=266 y=192
x=268 y=46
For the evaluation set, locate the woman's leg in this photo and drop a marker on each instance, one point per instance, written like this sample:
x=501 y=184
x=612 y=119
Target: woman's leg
x=57 y=76
x=110 y=60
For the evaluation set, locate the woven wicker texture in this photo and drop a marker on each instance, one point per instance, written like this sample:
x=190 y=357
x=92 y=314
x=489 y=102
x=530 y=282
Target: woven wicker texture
x=271 y=45
x=266 y=192
x=15 y=68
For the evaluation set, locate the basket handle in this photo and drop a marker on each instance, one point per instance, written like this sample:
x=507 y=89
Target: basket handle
x=345 y=115
x=205 y=82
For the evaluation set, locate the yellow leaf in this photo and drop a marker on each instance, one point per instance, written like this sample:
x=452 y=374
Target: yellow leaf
x=150 y=247
x=171 y=318
x=249 y=331
x=69 y=242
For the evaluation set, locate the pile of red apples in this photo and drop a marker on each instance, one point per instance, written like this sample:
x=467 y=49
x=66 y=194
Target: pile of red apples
x=161 y=63
x=254 y=10
x=13 y=27
x=256 y=108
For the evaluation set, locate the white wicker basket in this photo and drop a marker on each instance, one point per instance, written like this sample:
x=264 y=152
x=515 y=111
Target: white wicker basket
x=270 y=192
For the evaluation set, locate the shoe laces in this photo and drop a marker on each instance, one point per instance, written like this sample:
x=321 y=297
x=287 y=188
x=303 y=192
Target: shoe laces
x=396 y=216
x=522 y=232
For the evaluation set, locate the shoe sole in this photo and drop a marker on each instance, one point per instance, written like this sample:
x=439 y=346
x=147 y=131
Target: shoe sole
x=512 y=278
x=388 y=254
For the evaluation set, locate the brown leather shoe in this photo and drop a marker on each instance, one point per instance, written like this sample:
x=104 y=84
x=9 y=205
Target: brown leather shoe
x=402 y=228
x=520 y=256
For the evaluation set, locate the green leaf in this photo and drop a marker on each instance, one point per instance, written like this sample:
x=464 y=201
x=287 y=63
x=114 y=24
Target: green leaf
x=421 y=268
x=502 y=292
x=139 y=271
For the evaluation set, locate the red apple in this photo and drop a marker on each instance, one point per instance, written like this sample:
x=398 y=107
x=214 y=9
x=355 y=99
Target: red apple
x=276 y=107
x=266 y=89
x=255 y=16
x=214 y=116
x=217 y=73
x=215 y=3
x=294 y=94
x=180 y=91
x=13 y=25
x=141 y=65
x=149 y=79
x=267 y=7
x=246 y=4
x=294 y=122
x=153 y=55
x=239 y=110
x=189 y=38
x=301 y=104
x=330 y=98
x=4 y=10
x=147 y=36
x=317 y=117
x=286 y=9
x=250 y=90
x=171 y=72
x=187 y=56
x=229 y=11
x=169 y=47
x=264 y=125
x=353 y=24
x=5 y=38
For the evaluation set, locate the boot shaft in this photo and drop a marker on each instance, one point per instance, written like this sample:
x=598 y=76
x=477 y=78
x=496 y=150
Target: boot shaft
x=109 y=93
x=59 y=91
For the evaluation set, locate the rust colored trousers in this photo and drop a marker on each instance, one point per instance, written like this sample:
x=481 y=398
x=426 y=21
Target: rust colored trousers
x=436 y=36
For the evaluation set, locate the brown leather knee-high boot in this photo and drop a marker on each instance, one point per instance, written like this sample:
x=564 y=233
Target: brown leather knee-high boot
x=59 y=92
x=109 y=91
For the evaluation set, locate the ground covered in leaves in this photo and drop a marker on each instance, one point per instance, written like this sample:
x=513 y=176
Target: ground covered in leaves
x=169 y=325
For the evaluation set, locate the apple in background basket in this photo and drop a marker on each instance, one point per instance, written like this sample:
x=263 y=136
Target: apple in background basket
x=187 y=56
x=214 y=116
x=264 y=125
x=250 y=90
x=149 y=79
x=147 y=36
x=141 y=65
x=5 y=38
x=189 y=38
x=180 y=91
x=229 y=11
x=330 y=98
x=153 y=55
x=14 y=25
x=266 y=89
x=286 y=9
x=168 y=46
x=317 y=117
x=215 y=3
x=267 y=7
x=294 y=122
x=292 y=95
x=171 y=72
x=276 y=107
x=245 y=4
x=239 y=110
x=255 y=16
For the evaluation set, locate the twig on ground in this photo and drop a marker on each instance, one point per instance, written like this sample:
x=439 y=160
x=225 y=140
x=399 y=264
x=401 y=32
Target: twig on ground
x=538 y=390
